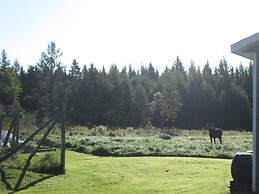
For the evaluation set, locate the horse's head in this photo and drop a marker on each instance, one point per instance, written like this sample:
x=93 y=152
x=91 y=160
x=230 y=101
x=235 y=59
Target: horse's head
x=210 y=127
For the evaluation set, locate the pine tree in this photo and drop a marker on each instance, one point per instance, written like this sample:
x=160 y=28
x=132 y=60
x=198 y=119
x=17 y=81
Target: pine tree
x=141 y=107
x=126 y=94
x=30 y=80
x=48 y=94
x=75 y=70
x=178 y=66
x=171 y=99
x=151 y=73
x=16 y=67
x=157 y=120
x=4 y=63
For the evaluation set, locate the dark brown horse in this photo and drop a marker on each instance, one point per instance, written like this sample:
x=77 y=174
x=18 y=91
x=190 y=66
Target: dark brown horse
x=215 y=133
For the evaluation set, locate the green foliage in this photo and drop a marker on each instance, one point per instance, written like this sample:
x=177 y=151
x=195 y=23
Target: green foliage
x=75 y=70
x=155 y=142
x=170 y=100
x=4 y=62
x=10 y=87
x=42 y=162
x=49 y=163
x=165 y=136
x=101 y=151
x=51 y=88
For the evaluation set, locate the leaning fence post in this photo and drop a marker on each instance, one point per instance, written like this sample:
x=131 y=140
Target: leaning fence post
x=8 y=133
x=63 y=138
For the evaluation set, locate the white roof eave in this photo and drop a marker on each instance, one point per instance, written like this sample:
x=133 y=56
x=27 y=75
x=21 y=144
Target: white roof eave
x=247 y=47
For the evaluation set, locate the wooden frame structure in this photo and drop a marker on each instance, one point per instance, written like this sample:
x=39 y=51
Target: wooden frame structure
x=60 y=117
x=13 y=129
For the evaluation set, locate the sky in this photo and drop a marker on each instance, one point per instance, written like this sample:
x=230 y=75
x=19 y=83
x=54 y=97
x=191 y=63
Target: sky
x=124 y=32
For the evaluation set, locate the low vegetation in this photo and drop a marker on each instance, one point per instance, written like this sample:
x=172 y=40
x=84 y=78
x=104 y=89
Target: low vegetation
x=101 y=141
x=42 y=163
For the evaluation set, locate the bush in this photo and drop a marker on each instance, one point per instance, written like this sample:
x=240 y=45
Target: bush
x=70 y=144
x=49 y=163
x=43 y=163
x=82 y=149
x=165 y=136
x=101 y=151
x=112 y=134
x=28 y=148
x=49 y=142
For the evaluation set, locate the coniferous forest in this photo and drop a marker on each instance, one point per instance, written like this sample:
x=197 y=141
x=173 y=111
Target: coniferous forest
x=174 y=97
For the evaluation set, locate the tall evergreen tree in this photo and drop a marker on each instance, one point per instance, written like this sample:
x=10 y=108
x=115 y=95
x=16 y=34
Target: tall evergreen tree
x=151 y=73
x=48 y=94
x=4 y=63
x=178 y=66
x=141 y=107
x=75 y=70
x=171 y=99
x=157 y=120
x=30 y=80
x=16 y=67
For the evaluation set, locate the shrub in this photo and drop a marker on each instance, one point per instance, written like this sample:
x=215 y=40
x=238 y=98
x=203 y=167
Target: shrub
x=112 y=134
x=165 y=136
x=101 y=151
x=49 y=163
x=49 y=142
x=81 y=149
x=28 y=148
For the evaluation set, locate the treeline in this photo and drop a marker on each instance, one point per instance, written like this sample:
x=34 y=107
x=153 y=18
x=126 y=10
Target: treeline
x=191 y=98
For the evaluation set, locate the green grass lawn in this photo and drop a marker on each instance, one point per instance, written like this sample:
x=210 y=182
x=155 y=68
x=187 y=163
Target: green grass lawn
x=92 y=174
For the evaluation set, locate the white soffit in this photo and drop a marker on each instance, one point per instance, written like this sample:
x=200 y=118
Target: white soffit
x=247 y=47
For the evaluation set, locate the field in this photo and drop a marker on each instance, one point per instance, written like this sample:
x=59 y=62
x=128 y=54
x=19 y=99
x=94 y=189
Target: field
x=162 y=161
x=101 y=141
x=93 y=174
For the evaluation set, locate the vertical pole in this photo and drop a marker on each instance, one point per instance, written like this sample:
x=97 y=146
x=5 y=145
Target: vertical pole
x=17 y=125
x=63 y=138
x=16 y=128
x=1 y=125
x=255 y=163
x=14 y=132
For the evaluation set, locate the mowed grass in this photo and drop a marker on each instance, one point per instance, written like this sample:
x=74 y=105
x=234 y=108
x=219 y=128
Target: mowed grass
x=92 y=174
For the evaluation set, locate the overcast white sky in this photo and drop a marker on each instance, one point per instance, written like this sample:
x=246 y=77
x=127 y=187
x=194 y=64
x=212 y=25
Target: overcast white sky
x=123 y=32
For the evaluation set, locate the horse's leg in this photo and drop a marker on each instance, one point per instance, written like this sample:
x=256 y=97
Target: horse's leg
x=210 y=139
x=220 y=140
x=214 y=140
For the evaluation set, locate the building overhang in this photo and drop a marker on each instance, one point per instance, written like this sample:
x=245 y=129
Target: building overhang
x=247 y=47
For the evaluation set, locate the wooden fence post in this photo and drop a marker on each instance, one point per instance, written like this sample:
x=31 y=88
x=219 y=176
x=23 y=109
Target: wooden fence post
x=1 y=125
x=15 y=138
x=8 y=133
x=63 y=138
x=17 y=126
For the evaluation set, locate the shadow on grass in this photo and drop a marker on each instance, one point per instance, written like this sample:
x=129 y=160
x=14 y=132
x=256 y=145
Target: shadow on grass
x=4 y=180
x=32 y=184
x=8 y=186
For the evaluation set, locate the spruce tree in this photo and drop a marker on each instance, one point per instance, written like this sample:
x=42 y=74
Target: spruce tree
x=4 y=63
